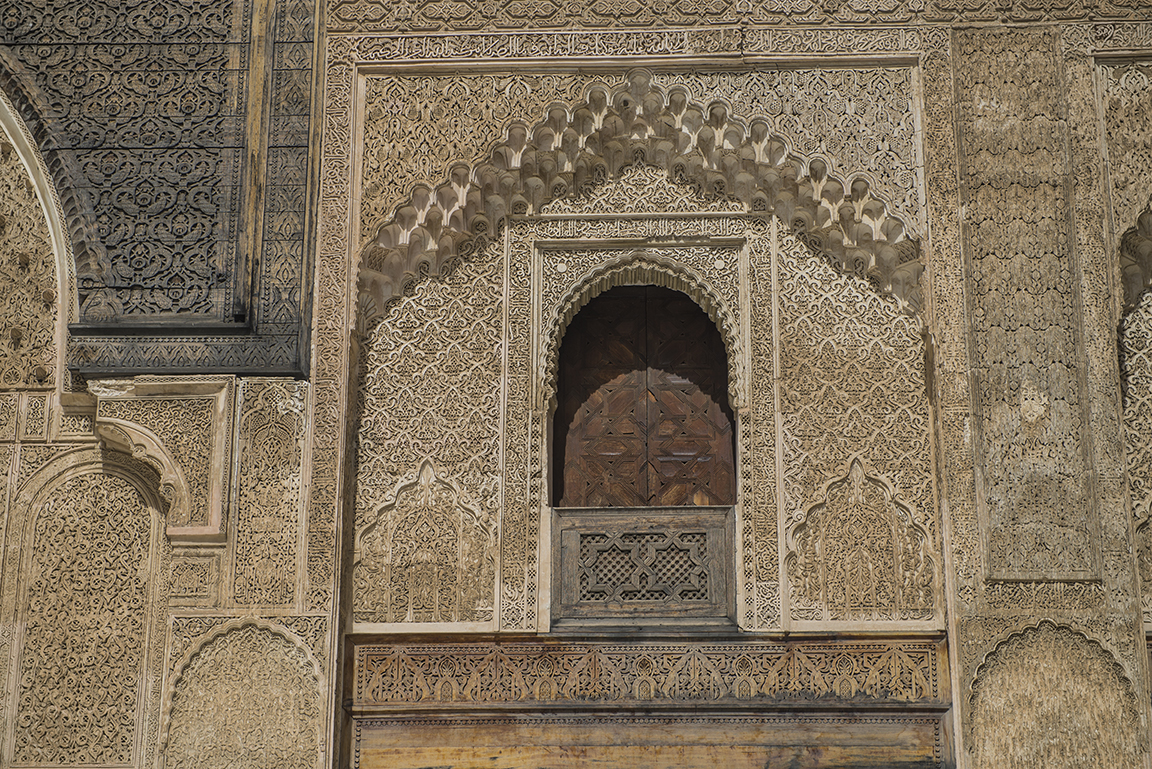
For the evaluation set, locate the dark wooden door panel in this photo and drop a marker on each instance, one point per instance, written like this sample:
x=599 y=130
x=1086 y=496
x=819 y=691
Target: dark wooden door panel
x=642 y=416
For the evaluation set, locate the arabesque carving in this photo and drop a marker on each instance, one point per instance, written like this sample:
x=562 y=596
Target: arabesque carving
x=183 y=427
x=85 y=613
x=28 y=283
x=1038 y=505
x=641 y=188
x=647 y=16
x=852 y=390
x=582 y=146
x=245 y=679
x=1136 y=375
x=9 y=408
x=427 y=555
x=431 y=390
x=646 y=672
x=858 y=554
x=1127 y=110
x=270 y=445
x=1049 y=696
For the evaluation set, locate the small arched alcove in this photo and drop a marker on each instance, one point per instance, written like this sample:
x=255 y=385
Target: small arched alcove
x=643 y=462
x=642 y=414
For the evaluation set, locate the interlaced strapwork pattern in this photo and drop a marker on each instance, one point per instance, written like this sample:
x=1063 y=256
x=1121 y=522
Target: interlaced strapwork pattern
x=644 y=566
x=84 y=614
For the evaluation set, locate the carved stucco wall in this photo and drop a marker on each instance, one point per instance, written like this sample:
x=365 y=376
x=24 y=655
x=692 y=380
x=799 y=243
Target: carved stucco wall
x=83 y=609
x=99 y=569
x=426 y=16
x=422 y=399
x=29 y=348
x=430 y=393
x=1070 y=222
x=430 y=403
x=1127 y=98
x=997 y=111
x=266 y=545
x=247 y=696
x=1088 y=715
x=852 y=394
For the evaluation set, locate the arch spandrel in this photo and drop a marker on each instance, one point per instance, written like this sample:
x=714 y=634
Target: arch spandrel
x=37 y=272
x=578 y=147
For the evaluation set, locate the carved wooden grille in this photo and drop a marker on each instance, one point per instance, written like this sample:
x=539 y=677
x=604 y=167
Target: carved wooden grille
x=642 y=562
x=644 y=566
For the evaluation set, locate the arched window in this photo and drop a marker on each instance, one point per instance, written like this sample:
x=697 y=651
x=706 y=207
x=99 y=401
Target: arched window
x=642 y=416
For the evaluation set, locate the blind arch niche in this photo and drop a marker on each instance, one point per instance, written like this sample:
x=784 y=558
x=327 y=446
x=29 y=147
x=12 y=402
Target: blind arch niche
x=642 y=413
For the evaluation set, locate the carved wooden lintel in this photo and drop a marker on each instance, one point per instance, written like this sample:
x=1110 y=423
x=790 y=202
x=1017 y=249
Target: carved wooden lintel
x=611 y=673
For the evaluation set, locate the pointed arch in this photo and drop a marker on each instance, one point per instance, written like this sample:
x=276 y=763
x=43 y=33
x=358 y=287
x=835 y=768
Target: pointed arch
x=43 y=287
x=577 y=147
x=70 y=221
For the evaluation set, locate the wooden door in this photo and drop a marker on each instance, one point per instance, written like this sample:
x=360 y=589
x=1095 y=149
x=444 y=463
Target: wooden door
x=642 y=417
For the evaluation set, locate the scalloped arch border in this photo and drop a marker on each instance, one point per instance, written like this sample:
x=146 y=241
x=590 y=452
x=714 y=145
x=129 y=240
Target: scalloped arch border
x=1009 y=636
x=639 y=266
x=20 y=136
x=230 y=626
x=1136 y=259
x=795 y=526
x=584 y=144
x=405 y=483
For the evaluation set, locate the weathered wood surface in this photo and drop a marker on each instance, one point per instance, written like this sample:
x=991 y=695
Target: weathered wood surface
x=651 y=743
x=642 y=416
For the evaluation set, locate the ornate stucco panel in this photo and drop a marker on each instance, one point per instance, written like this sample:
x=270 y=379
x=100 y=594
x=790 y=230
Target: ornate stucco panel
x=852 y=394
x=184 y=427
x=428 y=555
x=82 y=609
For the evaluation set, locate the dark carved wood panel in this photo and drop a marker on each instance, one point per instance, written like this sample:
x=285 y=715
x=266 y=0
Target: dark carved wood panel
x=642 y=416
x=631 y=562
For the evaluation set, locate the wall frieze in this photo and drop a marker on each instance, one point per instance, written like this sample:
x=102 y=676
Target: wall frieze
x=731 y=41
x=447 y=675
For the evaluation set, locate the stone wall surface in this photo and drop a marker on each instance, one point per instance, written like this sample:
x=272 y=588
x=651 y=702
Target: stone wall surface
x=276 y=391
